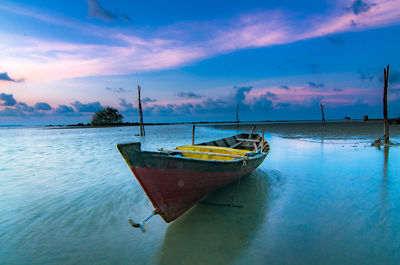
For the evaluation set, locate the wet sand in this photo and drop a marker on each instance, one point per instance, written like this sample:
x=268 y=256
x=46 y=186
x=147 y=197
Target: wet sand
x=332 y=130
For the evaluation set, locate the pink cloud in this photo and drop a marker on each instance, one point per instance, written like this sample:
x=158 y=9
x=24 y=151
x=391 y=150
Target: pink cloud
x=42 y=60
x=382 y=13
x=299 y=93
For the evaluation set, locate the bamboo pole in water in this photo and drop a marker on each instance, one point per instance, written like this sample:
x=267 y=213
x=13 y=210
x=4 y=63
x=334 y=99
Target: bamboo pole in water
x=323 y=114
x=194 y=127
x=142 y=131
x=385 y=111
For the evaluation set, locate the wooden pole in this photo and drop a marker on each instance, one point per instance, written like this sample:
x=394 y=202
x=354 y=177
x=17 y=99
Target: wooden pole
x=323 y=115
x=142 y=132
x=194 y=127
x=237 y=115
x=385 y=111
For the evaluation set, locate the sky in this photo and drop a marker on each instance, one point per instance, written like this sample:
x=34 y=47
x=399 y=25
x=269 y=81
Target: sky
x=61 y=61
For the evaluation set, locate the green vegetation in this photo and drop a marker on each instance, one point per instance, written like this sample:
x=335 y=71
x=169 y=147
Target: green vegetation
x=107 y=116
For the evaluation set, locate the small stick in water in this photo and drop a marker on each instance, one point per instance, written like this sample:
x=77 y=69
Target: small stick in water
x=194 y=127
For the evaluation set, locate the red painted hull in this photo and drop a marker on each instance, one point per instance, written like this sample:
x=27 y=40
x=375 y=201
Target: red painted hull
x=175 y=184
x=174 y=191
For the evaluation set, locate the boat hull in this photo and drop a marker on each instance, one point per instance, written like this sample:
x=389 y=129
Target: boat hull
x=175 y=184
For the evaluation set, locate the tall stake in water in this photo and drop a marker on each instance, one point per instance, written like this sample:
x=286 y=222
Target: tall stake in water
x=323 y=114
x=193 y=130
x=142 y=132
x=385 y=111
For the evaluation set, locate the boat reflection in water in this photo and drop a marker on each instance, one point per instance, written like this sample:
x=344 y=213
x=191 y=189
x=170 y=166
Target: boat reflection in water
x=217 y=235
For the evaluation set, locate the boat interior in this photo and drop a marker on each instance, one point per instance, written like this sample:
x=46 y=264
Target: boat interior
x=231 y=148
x=244 y=141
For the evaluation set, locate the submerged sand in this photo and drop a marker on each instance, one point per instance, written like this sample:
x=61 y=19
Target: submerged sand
x=331 y=130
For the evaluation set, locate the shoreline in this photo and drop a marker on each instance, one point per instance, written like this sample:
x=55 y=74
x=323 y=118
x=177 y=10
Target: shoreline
x=332 y=130
x=127 y=124
x=202 y=123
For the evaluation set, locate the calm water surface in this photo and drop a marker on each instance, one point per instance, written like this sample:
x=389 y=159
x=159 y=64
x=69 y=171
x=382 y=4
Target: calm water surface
x=66 y=196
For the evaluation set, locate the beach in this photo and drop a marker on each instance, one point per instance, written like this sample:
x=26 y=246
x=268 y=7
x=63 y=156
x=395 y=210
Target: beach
x=66 y=197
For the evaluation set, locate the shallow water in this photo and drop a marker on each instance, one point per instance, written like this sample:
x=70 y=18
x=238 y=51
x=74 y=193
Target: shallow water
x=66 y=196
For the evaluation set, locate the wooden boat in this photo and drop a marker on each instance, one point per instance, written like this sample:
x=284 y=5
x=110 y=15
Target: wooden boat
x=175 y=180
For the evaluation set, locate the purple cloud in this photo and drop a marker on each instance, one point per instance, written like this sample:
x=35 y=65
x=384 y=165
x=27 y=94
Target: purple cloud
x=42 y=106
x=188 y=94
x=118 y=89
x=7 y=100
x=239 y=93
x=271 y=95
x=9 y=112
x=22 y=106
x=315 y=85
x=5 y=77
x=147 y=100
x=97 y=11
x=64 y=109
x=21 y=109
x=127 y=107
x=89 y=107
x=175 y=109
x=262 y=103
x=359 y=6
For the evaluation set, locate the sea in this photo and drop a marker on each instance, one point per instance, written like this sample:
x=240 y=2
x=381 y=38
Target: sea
x=66 y=196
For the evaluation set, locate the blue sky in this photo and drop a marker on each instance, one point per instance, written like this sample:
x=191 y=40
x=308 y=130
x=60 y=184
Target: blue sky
x=62 y=60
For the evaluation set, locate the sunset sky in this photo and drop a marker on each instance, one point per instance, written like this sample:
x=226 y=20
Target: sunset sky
x=60 y=61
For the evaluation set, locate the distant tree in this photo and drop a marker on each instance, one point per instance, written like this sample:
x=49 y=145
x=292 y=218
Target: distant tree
x=107 y=116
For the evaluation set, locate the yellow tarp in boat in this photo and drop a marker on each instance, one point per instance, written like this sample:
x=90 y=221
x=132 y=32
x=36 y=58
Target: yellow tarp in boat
x=212 y=149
